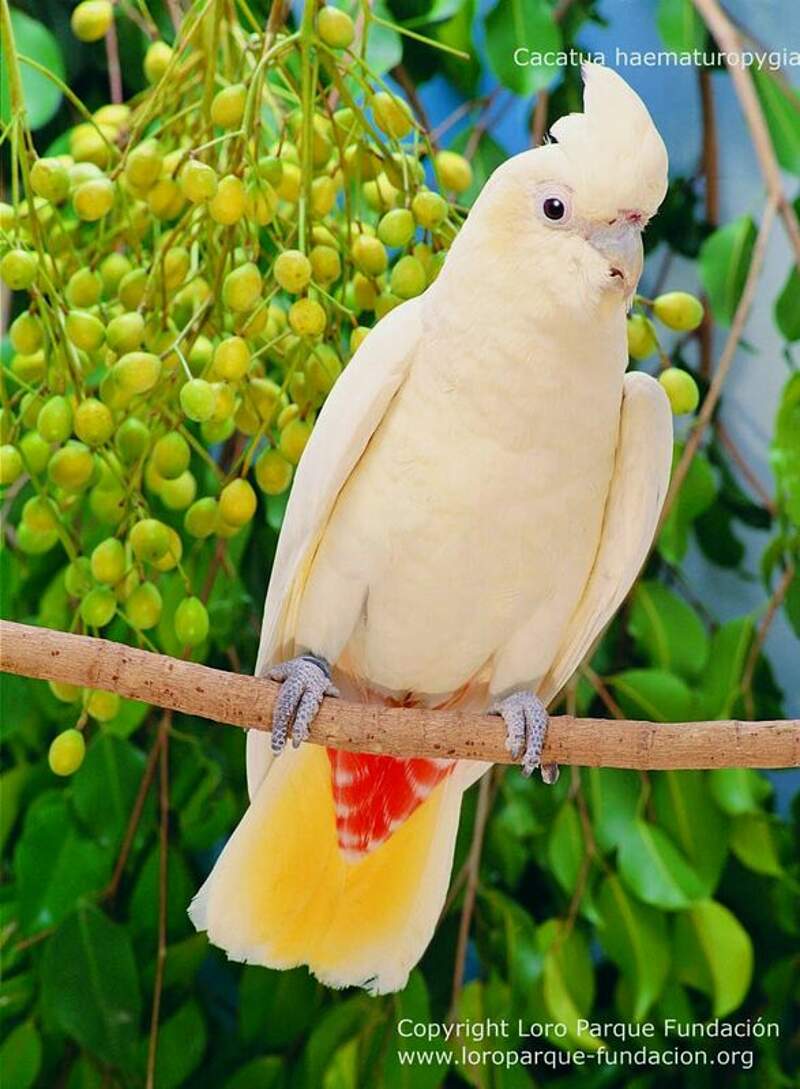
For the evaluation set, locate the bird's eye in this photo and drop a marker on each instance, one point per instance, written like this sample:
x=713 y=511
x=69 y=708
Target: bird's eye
x=554 y=205
x=554 y=208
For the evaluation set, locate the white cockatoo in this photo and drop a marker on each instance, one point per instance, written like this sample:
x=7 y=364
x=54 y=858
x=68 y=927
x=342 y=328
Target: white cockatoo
x=480 y=491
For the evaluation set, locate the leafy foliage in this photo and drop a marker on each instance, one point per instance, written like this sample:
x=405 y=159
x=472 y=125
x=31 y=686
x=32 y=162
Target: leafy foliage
x=614 y=896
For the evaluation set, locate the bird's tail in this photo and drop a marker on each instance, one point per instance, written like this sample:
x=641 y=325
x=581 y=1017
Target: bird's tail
x=284 y=893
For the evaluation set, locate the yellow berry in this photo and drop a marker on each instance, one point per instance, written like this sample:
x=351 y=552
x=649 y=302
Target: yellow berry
x=369 y=255
x=292 y=271
x=18 y=269
x=408 y=278
x=143 y=165
x=171 y=455
x=179 y=493
x=84 y=330
x=108 y=561
x=156 y=61
x=681 y=389
x=335 y=27
x=165 y=199
x=93 y=422
x=125 y=332
x=11 y=466
x=40 y=514
x=143 y=606
x=98 y=607
x=273 y=473
x=429 y=208
x=91 y=20
x=198 y=181
x=293 y=439
x=93 y=199
x=66 y=752
x=102 y=706
x=326 y=265
x=679 y=310
x=66 y=693
x=307 y=318
x=237 y=503
x=150 y=539
x=54 y=422
x=396 y=228
x=26 y=334
x=453 y=170
x=198 y=400
x=172 y=556
x=241 y=288
x=227 y=106
x=84 y=288
x=392 y=115
x=231 y=359
x=200 y=519
x=357 y=338
x=227 y=206
x=50 y=179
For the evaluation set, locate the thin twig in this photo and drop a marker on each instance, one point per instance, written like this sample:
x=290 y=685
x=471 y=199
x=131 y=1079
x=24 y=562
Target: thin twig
x=133 y=820
x=773 y=605
x=114 y=69
x=470 y=892
x=705 y=334
x=726 y=359
x=163 y=859
x=729 y=41
x=400 y=74
x=737 y=457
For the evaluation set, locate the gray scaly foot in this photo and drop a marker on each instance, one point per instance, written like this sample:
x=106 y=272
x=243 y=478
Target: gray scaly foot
x=526 y=722
x=305 y=681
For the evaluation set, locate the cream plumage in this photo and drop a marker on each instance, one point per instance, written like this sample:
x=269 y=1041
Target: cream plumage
x=478 y=495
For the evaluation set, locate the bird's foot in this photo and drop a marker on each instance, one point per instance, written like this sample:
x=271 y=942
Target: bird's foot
x=526 y=722
x=305 y=681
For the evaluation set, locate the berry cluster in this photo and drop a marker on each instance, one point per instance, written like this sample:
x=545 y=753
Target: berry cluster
x=189 y=281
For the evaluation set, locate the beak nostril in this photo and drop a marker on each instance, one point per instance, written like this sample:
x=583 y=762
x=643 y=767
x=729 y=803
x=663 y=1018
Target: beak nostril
x=617 y=272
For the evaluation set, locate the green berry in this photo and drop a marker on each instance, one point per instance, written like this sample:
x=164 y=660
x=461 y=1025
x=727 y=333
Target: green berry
x=108 y=561
x=171 y=455
x=143 y=607
x=84 y=330
x=392 y=115
x=98 y=607
x=150 y=540
x=137 y=372
x=429 y=208
x=65 y=693
x=84 y=288
x=156 y=61
x=132 y=440
x=198 y=400
x=78 y=577
x=200 y=520
x=191 y=622
x=93 y=199
x=50 y=180
x=26 y=334
x=71 y=467
x=408 y=278
x=681 y=388
x=396 y=228
x=179 y=493
x=102 y=706
x=453 y=170
x=11 y=466
x=227 y=106
x=125 y=332
x=642 y=340
x=198 y=181
x=40 y=514
x=369 y=255
x=18 y=269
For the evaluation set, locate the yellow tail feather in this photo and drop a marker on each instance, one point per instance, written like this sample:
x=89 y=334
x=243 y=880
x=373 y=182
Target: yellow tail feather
x=283 y=894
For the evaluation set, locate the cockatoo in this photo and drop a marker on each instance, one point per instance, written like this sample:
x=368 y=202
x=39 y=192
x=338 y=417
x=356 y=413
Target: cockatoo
x=480 y=491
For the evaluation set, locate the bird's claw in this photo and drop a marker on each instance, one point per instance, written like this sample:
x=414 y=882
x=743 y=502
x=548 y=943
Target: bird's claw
x=526 y=724
x=305 y=681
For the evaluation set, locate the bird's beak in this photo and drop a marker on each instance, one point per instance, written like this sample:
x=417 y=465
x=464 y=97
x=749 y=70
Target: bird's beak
x=621 y=245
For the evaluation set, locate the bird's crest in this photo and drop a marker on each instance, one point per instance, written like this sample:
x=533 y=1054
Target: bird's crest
x=615 y=152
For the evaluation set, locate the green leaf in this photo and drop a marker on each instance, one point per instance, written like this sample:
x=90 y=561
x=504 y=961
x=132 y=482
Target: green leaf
x=91 y=985
x=384 y=46
x=714 y=954
x=21 y=1056
x=787 y=306
x=412 y=1003
x=720 y=684
x=514 y=941
x=781 y=106
x=42 y=97
x=679 y=25
x=182 y=964
x=655 y=870
x=264 y=1073
x=276 y=1009
x=565 y=847
x=478 y=1003
x=55 y=864
x=791 y=604
x=181 y=1044
x=512 y=26
x=667 y=630
x=652 y=694
x=16 y=994
x=724 y=260
x=614 y=797
x=738 y=790
x=336 y=1027
x=457 y=33
x=568 y=981
x=635 y=937
x=785 y=449
x=105 y=787
x=753 y=844
x=144 y=899
x=12 y=784
x=686 y=811
x=696 y=495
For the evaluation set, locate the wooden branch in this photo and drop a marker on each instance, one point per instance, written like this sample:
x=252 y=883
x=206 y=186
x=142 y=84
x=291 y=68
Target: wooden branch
x=729 y=41
x=246 y=701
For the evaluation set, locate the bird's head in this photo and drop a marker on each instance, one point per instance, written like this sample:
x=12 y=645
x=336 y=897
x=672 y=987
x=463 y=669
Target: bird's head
x=579 y=204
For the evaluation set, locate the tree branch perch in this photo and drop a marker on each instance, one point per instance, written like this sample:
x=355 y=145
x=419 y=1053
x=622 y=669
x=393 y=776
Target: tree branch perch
x=246 y=701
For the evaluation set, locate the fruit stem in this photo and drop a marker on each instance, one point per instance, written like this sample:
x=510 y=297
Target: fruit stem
x=14 y=76
x=308 y=61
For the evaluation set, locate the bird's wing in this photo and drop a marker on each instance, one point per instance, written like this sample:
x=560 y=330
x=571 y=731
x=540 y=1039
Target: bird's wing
x=636 y=495
x=351 y=415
